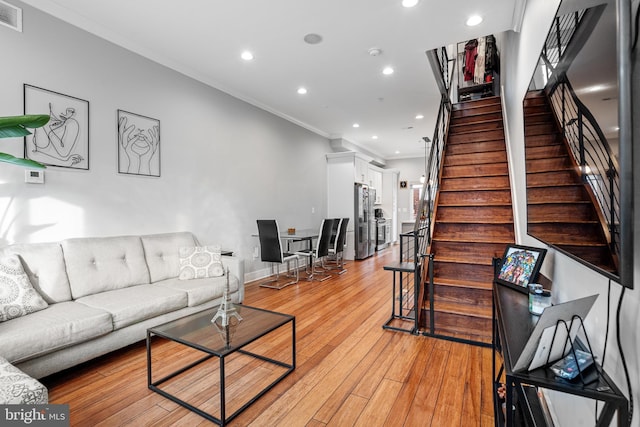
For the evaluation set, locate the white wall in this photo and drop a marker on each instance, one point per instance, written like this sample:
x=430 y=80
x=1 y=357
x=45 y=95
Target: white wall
x=225 y=163
x=571 y=280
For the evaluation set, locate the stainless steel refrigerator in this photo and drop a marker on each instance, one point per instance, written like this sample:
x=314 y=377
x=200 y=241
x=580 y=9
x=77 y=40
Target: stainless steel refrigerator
x=365 y=222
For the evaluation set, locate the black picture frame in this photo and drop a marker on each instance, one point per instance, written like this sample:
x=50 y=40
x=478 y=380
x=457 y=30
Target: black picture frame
x=520 y=266
x=64 y=141
x=138 y=144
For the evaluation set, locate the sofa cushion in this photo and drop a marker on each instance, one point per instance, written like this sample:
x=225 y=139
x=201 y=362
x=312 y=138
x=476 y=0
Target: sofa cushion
x=197 y=262
x=201 y=290
x=44 y=264
x=161 y=252
x=58 y=326
x=17 y=296
x=18 y=388
x=103 y=264
x=136 y=303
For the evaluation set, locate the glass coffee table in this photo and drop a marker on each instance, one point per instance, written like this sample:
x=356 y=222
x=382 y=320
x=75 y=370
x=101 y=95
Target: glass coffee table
x=243 y=360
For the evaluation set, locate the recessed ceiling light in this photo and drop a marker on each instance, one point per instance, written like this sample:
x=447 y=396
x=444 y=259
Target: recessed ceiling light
x=246 y=55
x=397 y=151
x=410 y=3
x=387 y=71
x=313 y=38
x=302 y=90
x=474 y=20
x=374 y=137
x=356 y=125
x=419 y=117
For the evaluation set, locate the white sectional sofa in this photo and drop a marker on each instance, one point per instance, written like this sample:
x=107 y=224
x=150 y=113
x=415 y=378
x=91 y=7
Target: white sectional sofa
x=102 y=294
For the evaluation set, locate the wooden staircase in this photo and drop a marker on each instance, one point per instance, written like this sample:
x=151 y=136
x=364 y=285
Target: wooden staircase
x=560 y=208
x=473 y=221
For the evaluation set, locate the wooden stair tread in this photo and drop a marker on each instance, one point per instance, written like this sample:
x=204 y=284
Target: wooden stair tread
x=478 y=122
x=461 y=260
x=462 y=284
x=475 y=240
x=564 y=222
x=461 y=309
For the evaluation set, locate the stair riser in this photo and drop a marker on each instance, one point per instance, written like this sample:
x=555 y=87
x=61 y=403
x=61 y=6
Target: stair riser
x=475 y=198
x=552 y=178
x=600 y=256
x=477 y=117
x=453 y=294
x=564 y=213
x=492 y=182
x=475 y=136
x=538 y=118
x=574 y=193
x=475 y=158
x=475 y=148
x=535 y=109
x=475 y=232
x=467 y=251
x=475 y=214
x=475 y=171
x=568 y=233
x=479 y=103
x=459 y=271
x=542 y=140
x=535 y=102
x=447 y=323
x=548 y=165
x=457 y=128
x=545 y=152
x=540 y=129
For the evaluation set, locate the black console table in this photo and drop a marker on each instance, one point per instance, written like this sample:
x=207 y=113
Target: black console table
x=512 y=326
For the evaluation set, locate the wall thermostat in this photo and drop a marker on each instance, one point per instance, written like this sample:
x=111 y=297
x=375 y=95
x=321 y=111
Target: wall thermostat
x=34 y=176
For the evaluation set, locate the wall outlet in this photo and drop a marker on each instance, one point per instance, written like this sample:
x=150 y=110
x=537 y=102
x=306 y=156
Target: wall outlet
x=34 y=176
x=256 y=252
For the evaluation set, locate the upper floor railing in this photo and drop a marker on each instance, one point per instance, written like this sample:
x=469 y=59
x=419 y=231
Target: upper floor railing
x=591 y=151
x=588 y=144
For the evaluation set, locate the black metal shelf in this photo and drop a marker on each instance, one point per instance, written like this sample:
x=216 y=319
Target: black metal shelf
x=513 y=325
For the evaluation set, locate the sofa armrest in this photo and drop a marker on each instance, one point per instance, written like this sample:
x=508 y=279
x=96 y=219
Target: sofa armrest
x=236 y=268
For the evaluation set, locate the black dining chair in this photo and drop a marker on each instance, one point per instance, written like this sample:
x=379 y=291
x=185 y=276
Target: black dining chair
x=319 y=253
x=336 y=249
x=271 y=252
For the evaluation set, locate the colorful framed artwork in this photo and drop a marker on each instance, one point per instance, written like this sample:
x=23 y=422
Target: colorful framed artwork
x=520 y=266
x=138 y=144
x=64 y=141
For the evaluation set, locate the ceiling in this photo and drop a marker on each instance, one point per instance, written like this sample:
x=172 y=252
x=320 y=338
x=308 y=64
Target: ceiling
x=345 y=84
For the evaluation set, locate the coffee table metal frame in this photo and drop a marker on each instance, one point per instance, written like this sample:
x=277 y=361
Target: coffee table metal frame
x=210 y=353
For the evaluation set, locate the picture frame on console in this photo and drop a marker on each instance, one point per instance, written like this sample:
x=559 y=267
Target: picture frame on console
x=64 y=140
x=520 y=266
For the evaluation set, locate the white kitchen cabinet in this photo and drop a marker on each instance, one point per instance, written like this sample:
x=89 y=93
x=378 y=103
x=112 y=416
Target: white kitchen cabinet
x=375 y=181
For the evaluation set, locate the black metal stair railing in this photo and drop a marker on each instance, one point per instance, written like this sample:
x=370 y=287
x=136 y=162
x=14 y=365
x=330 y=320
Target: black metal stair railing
x=414 y=244
x=592 y=153
x=588 y=145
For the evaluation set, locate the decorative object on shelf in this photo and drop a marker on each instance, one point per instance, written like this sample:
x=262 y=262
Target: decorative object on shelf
x=64 y=140
x=138 y=144
x=291 y=231
x=16 y=127
x=539 y=298
x=520 y=266
x=226 y=310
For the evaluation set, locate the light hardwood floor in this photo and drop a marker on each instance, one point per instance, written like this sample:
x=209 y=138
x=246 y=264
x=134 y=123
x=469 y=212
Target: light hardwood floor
x=350 y=372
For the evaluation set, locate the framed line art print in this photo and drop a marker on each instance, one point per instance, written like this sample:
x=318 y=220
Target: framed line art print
x=520 y=266
x=64 y=141
x=138 y=144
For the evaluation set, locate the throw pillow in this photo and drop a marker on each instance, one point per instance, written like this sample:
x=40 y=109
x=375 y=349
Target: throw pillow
x=17 y=295
x=197 y=262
